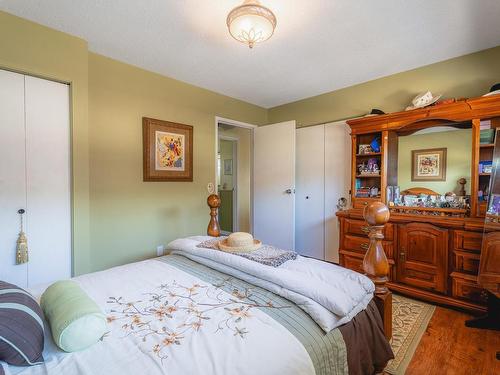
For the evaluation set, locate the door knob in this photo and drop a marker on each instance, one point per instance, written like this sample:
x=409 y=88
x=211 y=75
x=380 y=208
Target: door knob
x=290 y=191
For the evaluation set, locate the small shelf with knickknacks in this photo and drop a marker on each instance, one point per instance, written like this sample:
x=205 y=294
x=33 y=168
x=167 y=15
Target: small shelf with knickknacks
x=367 y=167
x=485 y=165
x=423 y=201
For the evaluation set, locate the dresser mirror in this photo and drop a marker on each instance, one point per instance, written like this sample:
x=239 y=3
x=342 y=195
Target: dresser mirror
x=489 y=262
x=431 y=169
x=437 y=159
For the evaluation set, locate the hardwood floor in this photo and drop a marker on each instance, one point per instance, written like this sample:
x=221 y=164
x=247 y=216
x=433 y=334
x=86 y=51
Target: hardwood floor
x=449 y=348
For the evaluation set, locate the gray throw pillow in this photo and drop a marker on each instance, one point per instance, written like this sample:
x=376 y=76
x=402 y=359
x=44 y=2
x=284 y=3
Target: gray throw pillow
x=21 y=327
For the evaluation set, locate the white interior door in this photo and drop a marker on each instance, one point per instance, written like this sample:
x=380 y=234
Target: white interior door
x=274 y=184
x=12 y=174
x=48 y=207
x=310 y=192
x=337 y=181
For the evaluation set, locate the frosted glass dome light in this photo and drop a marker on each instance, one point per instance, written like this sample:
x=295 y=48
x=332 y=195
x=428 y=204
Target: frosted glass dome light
x=251 y=23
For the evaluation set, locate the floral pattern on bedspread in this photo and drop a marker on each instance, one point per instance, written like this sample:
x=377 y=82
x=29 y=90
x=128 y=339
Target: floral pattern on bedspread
x=168 y=315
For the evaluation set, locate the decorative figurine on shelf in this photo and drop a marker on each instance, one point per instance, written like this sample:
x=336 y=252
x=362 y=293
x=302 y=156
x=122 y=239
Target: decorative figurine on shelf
x=369 y=168
x=462 y=183
x=361 y=168
x=389 y=194
x=373 y=166
x=375 y=144
x=450 y=196
x=364 y=149
x=429 y=202
x=341 y=204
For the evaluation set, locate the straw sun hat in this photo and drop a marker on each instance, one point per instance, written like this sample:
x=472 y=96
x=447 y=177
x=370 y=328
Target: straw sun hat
x=239 y=242
x=423 y=100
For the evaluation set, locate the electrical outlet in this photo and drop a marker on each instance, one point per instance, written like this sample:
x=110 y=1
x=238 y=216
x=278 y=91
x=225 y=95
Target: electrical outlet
x=210 y=188
x=160 y=250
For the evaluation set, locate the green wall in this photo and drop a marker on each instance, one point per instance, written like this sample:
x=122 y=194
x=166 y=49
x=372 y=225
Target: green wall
x=466 y=76
x=458 y=159
x=129 y=217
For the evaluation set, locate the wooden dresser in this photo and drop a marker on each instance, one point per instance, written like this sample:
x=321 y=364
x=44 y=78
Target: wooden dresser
x=430 y=258
x=433 y=256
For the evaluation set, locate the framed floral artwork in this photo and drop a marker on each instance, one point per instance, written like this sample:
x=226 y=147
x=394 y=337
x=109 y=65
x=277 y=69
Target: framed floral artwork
x=428 y=165
x=167 y=150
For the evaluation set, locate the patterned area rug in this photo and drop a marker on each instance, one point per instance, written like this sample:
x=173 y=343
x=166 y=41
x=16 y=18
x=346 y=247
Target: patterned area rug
x=409 y=322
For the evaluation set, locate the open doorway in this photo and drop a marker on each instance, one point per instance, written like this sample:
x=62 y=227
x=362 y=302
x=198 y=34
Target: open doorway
x=234 y=175
x=227 y=182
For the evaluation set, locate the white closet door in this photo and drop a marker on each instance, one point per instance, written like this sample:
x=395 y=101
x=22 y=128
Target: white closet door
x=310 y=192
x=12 y=174
x=274 y=184
x=337 y=181
x=48 y=180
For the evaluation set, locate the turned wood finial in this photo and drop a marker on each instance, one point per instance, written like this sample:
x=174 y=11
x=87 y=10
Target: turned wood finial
x=213 y=202
x=375 y=261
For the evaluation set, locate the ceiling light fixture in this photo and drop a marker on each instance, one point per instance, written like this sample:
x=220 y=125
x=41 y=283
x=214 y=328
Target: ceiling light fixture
x=251 y=23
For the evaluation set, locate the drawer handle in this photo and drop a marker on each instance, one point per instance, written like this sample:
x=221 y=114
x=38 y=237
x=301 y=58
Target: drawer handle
x=364 y=246
x=365 y=229
x=484 y=295
x=402 y=254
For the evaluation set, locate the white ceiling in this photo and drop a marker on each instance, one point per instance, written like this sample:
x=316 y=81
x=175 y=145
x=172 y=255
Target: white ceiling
x=319 y=45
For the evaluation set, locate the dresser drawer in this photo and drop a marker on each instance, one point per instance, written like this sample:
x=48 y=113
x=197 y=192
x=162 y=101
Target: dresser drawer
x=360 y=245
x=353 y=263
x=468 y=241
x=466 y=287
x=360 y=228
x=466 y=262
x=361 y=202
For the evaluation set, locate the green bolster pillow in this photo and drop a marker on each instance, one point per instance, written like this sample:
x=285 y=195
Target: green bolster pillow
x=74 y=318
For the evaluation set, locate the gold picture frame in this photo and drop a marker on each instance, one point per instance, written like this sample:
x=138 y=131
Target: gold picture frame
x=167 y=150
x=428 y=164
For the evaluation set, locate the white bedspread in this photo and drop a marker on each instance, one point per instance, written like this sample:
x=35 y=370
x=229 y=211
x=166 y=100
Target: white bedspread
x=330 y=294
x=201 y=335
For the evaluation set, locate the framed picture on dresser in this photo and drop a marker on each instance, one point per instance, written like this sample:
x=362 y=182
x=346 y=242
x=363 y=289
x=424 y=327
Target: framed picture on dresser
x=428 y=165
x=167 y=150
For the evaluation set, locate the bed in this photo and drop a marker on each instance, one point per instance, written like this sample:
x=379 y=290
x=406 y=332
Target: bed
x=202 y=311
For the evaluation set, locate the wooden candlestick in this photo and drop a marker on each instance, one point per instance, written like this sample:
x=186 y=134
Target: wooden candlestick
x=462 y=183
x=213 y=202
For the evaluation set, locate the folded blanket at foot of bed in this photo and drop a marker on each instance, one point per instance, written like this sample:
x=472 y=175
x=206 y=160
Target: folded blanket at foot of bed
x=330 y=294
x=266 y=254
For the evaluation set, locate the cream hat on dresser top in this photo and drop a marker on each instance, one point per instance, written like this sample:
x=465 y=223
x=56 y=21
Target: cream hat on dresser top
x=423 y=100
x=239 y=242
